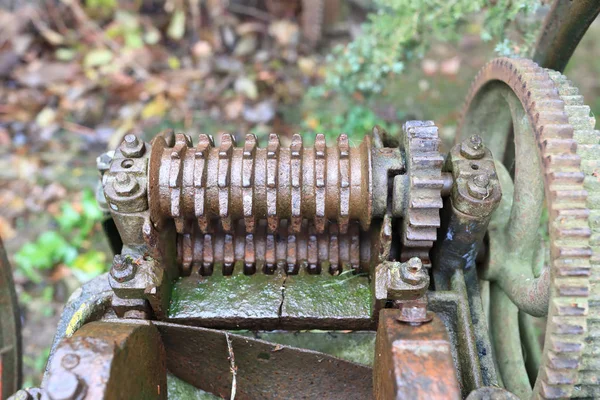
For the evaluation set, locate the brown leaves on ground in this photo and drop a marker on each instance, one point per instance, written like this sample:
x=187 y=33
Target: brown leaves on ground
x=70 y=66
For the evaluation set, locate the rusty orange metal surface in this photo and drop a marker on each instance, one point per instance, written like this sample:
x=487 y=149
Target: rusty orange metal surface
x=413 y=362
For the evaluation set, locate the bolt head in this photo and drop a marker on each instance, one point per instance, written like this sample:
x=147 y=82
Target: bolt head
x=412 y=271
x=477 y=186
x=123 y=268
x=64 y=385
x=130 y=141
x=482 y=181
x=132 y=146
x=124 y=184
x=472 y=148
x=476 y=142
x=103 y=161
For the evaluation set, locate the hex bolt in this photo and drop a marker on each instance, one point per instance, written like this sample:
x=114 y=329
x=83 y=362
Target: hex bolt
x=131 y=141
x=70 y=361
x=477 y=186
x=132 y=146
x=472 y=148
x=124 y=185
x=123 y=268
x=103 y=162
x=411 y=271
x=476 y=142
x=64 y=386
x=482 y=181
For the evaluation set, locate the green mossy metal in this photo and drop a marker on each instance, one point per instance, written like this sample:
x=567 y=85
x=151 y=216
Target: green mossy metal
x=342 y=301
x=217 y=299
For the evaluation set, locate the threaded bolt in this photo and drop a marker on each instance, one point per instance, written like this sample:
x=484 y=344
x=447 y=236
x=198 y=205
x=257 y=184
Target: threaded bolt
x=411 y=271
x=472 y=148
x=131 y=141
x=122 y=178
x=123 y=268
x=132 y=146
x=476 y=142
x=124 y=185
x=482 y=181
x=478 y=185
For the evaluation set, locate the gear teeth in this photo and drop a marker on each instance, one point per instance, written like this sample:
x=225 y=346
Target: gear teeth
x=424 y=162
x=587 y=382
x=559 y=118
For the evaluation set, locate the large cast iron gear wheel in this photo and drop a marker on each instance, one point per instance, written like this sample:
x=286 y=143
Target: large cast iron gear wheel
x=539 y=269
x=421 y=211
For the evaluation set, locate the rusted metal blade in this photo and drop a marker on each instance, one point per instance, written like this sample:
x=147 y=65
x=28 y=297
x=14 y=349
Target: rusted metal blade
x=220 y=362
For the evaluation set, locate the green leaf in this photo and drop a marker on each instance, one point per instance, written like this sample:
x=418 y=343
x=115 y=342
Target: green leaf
x=97 y=58
x=176 y=28
x=89 y=265
x=69 y=218
x=90 y=207
x=65 y=54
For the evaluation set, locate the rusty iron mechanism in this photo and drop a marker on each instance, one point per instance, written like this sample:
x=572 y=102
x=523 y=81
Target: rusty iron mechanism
x=387 y=269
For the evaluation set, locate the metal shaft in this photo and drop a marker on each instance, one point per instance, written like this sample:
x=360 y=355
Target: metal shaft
x=266 y=252
x=197 y=185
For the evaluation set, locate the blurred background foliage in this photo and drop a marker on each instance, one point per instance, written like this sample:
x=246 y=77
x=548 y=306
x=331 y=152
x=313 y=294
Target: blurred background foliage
x=77 y=75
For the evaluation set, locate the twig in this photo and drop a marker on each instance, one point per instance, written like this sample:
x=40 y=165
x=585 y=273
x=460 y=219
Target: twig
x=250 y=11
x=196 y=16
x=73 y=127
x=232 y=366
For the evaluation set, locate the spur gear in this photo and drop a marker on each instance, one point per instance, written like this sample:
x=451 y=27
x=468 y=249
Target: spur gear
x=517 y=95
x=421 y=212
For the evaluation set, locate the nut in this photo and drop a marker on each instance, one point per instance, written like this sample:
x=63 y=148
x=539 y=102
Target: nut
x=132 y=146
x=123 y=268
x=64 y=386
x=124 y=185
x=478 y=186
x=411 y=271
x=414 y=312
x=472 y=148
x=103 y=161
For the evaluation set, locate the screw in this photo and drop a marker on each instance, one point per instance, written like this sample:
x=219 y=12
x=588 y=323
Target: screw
x=70 y=361
x=472 y=148
x=411 y=271
x=123 y=268
x=122 y=178
x=482 y=181
x=131 y=141
x=478 y=185
x=132 y=146
x=414 y=265
x=476 y=142
x=124 y=185
x=64 y=386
